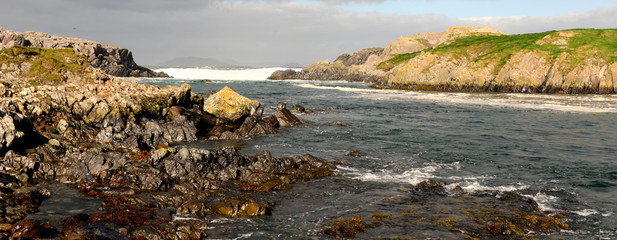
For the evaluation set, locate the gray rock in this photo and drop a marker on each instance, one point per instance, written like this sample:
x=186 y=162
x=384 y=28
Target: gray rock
x=16 y=132
x=112 y=60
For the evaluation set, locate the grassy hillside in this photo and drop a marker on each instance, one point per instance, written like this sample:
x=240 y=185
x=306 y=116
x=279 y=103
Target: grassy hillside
x=580 y=44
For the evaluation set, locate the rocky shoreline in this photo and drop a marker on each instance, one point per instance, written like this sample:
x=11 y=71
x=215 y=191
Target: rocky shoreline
x=113 y=139
x=578 y=61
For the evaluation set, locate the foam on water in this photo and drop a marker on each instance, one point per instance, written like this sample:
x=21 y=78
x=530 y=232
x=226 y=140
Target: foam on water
x=545 y=201
x=414 y=176
x=563 y=103
x=250 y=74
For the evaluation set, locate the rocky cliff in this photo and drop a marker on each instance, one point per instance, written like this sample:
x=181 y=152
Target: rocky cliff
x=484 y=59
x=63 y=120
x=112 y=60
x=362 y=65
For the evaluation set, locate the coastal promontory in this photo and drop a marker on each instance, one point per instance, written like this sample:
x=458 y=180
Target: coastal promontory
x=483 y=59
x=113 y=60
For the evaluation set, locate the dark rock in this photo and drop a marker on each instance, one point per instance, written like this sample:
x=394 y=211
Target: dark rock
x=354 y=154
x=272 y=121
x=432 y=185
x=358 y=57
x=285 y=118
x=339 y=123
x=299 y=109
x=145 y=232
x=340 y=69
x=74 y=221
x=195 y=207
x=17 y=132
x=98 y=231
x=26 y=229
x=285 y=74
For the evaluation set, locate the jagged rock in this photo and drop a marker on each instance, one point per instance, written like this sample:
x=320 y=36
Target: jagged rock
x=285 y=118
x=242 y=207
x=228 y=105
x=354 y=154
x=16 y=132
x=112 y=60
x=93 y=231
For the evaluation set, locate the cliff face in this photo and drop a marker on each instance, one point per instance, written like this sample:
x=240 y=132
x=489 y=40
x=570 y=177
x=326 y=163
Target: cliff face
x=484 y=59
x=363 y=65
x=573 y=61
x=112 y=60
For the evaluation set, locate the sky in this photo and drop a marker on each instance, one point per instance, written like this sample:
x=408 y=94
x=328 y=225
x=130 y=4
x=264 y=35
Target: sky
x=279 y=32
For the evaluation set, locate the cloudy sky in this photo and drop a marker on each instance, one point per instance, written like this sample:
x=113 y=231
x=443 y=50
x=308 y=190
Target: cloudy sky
x=276 y=32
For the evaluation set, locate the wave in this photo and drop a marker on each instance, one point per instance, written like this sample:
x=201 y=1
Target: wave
x=562 y=103
x=247 y=74
x=414 y=176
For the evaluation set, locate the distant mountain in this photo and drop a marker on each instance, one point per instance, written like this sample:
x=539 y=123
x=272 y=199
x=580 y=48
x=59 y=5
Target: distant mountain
x=200 y=62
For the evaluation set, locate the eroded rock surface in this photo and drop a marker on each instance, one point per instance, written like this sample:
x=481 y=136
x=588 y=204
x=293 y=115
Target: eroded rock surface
x=112 y=60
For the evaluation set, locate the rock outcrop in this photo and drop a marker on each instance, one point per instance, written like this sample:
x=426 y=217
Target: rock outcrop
x=62 y=120
x=112 y=60
x=484 y=59
x=362 y=65
x=345 y=67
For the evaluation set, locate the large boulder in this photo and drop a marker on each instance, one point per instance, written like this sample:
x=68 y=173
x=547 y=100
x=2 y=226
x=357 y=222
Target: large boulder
x=16 y=131
x=228 y=105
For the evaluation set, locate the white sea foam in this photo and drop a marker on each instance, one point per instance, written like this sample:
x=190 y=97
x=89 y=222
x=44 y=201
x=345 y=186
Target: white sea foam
x=182 y=218
x=586 y=212
x=475 y=186
x=563 y=103
x=220 y=74
x=544 y=201
x=416 y=175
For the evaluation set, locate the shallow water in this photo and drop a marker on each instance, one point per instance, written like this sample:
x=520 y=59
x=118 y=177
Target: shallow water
x=559 y=150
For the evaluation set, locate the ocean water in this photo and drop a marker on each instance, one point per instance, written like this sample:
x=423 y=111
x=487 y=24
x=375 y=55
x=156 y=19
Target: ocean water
x=560 y=150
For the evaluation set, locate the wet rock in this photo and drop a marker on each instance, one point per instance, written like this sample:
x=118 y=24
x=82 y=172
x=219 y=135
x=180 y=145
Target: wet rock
x=93 y=231
x=285 y=118
x=354 y=153
x=74 y=221
x=272 y=121
x=342 y=162
x=242 y=207
x=33 y=229
x=26 y=229
x=301 y=109
x=339 y=123
x=196 y=208
x=145 y=232
x=432 y=185
x=254 y=125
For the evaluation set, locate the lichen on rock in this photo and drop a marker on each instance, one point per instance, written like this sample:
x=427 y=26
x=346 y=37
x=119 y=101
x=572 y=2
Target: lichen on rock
x=228 y=105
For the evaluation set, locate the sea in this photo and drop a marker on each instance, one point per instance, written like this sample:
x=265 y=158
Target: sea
x=560 y=150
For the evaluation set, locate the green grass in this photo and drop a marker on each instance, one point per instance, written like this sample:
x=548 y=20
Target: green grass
x=396 y=60
x=497 y=50
x=48 y=66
